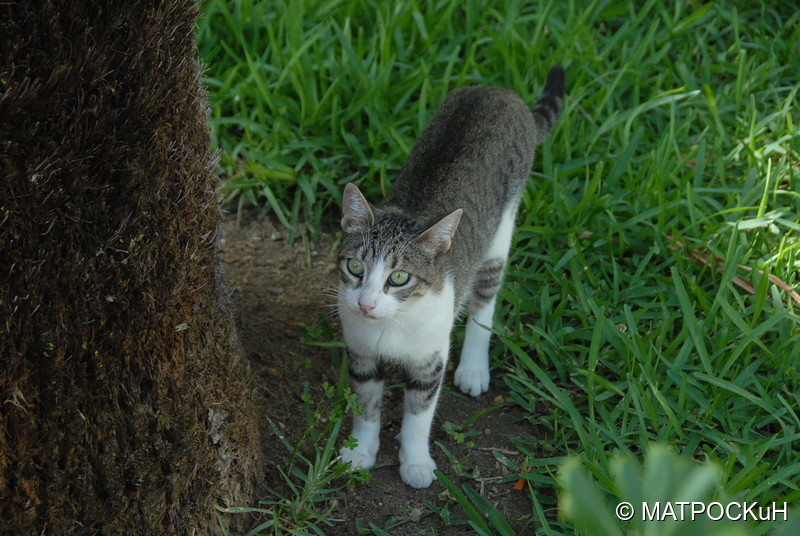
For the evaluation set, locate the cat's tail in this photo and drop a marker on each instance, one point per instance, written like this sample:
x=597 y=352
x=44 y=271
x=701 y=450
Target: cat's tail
x=546 y=110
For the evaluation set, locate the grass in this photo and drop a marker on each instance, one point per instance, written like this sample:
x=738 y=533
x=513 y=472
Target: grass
x=313 y=475
x=649 y=296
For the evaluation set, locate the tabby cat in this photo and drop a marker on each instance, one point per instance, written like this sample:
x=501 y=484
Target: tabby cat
x=439 y=241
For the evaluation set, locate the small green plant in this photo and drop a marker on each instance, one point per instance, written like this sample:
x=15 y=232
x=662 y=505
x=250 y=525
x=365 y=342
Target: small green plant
x=459 y=434
x=482 y=514
x=310 y=481
x=458 y=466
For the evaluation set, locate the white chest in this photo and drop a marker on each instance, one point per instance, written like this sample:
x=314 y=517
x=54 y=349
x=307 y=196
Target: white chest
x=417 y=328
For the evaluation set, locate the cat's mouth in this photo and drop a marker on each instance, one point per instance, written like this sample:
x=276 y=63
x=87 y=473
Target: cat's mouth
x=370 y=316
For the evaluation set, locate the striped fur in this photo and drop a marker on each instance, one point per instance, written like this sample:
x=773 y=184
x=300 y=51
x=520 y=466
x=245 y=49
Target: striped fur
x=439 y=241
x=423 y=383
x=487 y=281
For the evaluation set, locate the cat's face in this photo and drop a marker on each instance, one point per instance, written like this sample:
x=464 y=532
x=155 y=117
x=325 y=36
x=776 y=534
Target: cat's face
x=387 y=261
x=377 y=283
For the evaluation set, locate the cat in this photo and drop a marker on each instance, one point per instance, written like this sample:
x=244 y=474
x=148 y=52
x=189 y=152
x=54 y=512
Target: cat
x=439 y=241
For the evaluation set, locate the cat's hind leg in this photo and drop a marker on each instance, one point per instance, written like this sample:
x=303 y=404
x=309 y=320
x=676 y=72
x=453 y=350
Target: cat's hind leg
x=472 y=374
x=366 y=380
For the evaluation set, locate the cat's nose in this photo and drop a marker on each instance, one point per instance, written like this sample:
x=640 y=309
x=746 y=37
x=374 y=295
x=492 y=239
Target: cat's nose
x=365 y=308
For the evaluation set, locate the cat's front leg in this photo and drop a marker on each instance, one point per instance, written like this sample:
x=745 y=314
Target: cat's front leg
x=366 y=380
x=422 y=392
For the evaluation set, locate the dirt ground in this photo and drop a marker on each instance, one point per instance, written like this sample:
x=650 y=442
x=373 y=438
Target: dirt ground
x=277 y=288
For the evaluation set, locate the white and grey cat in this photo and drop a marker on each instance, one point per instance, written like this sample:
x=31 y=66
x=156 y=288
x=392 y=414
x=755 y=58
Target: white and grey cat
x=439 y=241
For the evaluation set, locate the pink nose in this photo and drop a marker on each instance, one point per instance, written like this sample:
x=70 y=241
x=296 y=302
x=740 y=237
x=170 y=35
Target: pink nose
x=365 y=308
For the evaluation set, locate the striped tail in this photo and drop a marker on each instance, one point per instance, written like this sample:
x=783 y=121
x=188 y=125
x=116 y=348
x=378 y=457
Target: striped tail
x=546 y=110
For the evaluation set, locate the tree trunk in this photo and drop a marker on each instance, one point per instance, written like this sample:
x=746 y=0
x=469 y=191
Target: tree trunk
x=125 y=406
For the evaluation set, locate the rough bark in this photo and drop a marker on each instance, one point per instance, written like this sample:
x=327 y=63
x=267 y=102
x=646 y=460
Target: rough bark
x=125 y=404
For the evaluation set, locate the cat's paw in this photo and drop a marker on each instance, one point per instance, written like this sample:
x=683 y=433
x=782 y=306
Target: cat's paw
x=419 y=473
x=416 y=466
x=472 y=381
x=359 y=457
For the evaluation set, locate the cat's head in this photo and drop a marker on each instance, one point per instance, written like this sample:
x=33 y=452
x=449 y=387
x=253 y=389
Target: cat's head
x=388 y=260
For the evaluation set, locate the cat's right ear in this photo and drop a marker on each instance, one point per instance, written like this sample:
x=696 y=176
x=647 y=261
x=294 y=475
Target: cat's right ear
x=439 y=236
x=357 y=213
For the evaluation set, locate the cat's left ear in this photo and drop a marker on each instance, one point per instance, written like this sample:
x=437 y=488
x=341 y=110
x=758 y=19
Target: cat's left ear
x=439 y=236
x=357 y=213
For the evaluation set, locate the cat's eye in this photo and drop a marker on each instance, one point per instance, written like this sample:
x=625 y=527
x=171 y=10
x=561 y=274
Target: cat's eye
x=355 y=267
x=398 y=278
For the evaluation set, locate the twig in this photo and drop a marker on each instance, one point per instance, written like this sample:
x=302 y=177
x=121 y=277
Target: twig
x=704 y=257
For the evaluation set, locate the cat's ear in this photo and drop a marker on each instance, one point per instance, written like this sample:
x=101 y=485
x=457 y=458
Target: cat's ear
x=439 y=236
x=357 y=213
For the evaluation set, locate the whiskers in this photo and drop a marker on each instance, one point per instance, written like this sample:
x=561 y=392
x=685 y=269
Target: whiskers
x=333 y=291
x=398 y=320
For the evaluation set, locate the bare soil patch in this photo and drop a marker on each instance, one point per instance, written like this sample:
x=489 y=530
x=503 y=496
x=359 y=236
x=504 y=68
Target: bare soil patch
x=278 y=288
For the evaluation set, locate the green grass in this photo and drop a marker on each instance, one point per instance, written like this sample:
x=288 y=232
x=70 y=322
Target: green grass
x=313 y=475
x=647 y=297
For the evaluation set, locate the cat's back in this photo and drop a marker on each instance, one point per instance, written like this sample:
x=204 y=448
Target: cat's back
x=476 y=105
x=479 y=143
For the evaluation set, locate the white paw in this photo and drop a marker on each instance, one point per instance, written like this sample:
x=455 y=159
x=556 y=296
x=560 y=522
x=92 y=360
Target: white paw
x=472 y=381
x=359 y=457
x=419 y=473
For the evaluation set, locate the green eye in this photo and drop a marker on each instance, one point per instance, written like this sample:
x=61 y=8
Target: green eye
x=398 y=278
x=355 y=267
